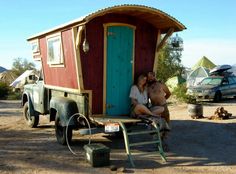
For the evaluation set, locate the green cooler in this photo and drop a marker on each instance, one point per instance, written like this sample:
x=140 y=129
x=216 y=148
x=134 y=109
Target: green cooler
x=97 y=154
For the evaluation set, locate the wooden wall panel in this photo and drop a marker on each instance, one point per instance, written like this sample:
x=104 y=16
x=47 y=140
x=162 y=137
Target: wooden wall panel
x=92 y=62
x=61 y=76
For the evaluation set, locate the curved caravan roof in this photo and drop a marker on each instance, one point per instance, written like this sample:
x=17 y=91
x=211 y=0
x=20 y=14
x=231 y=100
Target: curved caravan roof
x=157 y=18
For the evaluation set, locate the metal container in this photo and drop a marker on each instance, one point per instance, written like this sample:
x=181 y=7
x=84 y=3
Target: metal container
x=195 y=110
x=97 y=154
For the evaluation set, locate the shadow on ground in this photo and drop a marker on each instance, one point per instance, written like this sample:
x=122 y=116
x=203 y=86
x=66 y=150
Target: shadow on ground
x=192 y=143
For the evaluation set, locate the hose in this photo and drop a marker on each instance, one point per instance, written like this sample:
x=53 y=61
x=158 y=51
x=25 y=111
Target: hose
x=79 y=115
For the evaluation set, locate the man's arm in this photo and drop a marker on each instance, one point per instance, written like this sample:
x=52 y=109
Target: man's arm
x=166 y=90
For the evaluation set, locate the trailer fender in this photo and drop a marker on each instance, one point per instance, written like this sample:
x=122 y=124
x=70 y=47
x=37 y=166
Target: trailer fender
x=64 y=108
x=26 y=98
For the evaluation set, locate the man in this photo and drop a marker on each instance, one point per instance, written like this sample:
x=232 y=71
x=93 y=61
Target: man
x=158 y=93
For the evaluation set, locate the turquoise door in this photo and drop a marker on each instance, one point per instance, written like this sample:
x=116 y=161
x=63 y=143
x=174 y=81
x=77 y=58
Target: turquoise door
x=119 y=69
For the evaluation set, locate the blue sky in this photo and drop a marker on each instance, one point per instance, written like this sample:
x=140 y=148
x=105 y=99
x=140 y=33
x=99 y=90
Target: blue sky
x=211 y=25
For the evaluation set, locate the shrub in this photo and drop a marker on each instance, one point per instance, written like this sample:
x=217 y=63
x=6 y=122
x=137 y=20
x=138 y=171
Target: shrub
x=180 y=93
x=4 y=90
x=14 y=95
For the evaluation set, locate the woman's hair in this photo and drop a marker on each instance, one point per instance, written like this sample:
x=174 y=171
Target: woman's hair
x=138 y=77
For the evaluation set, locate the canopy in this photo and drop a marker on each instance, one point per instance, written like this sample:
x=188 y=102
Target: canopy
x=205 y=63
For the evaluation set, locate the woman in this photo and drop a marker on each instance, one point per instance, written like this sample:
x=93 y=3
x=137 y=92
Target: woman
x=139 y=99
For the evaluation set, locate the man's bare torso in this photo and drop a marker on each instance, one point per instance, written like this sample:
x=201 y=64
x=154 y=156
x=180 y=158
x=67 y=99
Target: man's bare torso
x=156 y=94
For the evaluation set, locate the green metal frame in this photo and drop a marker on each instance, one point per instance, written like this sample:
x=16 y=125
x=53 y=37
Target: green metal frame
x=128 y=145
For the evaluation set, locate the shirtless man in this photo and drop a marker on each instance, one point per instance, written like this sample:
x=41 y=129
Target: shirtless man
x=158 y=93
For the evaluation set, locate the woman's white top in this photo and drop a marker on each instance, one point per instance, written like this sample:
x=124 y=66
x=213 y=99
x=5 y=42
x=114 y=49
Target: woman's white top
x=141 y=97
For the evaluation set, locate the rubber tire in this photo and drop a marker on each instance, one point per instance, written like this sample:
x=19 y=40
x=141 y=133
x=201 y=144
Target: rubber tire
x=32 y=121
x=60 y=132
x=217 y=97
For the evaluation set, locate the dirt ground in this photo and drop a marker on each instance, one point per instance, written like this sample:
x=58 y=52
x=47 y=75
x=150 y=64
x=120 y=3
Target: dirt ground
x=196 y=146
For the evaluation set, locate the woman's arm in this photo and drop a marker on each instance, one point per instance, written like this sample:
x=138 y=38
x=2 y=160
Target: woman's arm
x=134 y=102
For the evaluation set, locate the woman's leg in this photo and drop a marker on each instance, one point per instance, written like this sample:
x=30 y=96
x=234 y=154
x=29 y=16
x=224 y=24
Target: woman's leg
x=142 y=110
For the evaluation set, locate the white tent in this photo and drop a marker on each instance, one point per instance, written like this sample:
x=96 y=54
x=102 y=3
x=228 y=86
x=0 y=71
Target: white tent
x=22 y=79
x=197 y=76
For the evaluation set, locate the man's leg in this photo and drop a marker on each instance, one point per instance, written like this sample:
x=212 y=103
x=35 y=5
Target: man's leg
x=166 y=114
x=157 y=110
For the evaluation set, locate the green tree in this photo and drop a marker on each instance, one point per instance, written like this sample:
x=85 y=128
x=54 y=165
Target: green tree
x=169 y=63
x=20 y=65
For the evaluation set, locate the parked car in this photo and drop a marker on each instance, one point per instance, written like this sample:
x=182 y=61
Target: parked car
x=214 y=88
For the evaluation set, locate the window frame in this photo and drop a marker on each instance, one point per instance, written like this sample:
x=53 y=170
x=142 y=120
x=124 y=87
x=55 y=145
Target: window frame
x=52 y=62
x=37 y=51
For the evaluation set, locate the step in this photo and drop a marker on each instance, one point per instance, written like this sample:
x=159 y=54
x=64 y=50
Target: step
x=144 y=143
x=142 y=132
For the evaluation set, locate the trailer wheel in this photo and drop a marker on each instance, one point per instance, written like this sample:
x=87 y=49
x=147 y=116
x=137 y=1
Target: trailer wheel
x=61 y=132
x=32 y=121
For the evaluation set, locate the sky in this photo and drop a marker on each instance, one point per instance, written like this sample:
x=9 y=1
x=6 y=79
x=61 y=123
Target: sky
x=211 y=25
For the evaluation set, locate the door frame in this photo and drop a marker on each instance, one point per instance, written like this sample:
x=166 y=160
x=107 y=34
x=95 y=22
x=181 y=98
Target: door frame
x=105 y=58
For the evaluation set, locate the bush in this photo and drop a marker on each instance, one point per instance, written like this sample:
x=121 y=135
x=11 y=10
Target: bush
x=4 y=90
x=180 y=93
x=14 y=96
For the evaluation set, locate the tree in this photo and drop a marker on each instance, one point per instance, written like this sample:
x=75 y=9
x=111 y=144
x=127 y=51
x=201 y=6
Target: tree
x=20 y=65
x=169 y=63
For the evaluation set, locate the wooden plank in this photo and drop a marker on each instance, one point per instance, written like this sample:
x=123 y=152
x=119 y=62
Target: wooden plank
x=163 y=41
x=159 y=45
x=102 y=120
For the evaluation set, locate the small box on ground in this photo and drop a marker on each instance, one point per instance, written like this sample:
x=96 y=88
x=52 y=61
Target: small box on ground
x=97 y=154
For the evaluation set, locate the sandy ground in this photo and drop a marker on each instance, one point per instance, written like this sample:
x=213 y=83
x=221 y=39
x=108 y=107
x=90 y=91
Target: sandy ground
x=196 y=146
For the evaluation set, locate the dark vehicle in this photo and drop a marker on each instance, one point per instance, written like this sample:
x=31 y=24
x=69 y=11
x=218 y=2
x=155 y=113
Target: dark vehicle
x=214 y=88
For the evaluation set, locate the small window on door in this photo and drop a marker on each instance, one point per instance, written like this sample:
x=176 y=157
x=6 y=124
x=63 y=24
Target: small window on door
x=54 y=50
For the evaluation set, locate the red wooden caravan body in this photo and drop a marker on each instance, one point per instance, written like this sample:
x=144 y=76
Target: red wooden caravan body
x=67 y=67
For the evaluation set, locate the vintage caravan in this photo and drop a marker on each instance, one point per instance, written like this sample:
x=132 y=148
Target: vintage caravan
x=89 y=64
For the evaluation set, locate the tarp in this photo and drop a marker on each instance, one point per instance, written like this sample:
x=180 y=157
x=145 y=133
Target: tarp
x=2 y=69
x=233 y=69
x=21 y=80
x=175 y=81
x=205 y=63
x=197 y=76
x=220 y=69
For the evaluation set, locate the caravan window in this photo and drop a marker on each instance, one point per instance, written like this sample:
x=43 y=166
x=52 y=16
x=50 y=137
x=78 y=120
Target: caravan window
x=54 y=50
x=35 y=47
